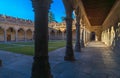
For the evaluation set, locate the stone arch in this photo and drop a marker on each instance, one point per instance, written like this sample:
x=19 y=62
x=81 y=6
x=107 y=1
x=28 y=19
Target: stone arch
x=21 y=34
x=10 y=34
x=29 y=34
x=1 y=34
x=59 y=34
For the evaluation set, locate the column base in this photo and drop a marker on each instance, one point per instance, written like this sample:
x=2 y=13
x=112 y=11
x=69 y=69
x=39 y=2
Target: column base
x=41 y=68
x=82 y=44
x=69 y=58
x=77 y=48
x=0 y=63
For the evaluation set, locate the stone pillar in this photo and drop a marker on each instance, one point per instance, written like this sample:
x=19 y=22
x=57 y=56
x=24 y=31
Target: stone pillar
x=82 y=40
x=77 y=45
x=41 y=67
x=49 y=35
x=84 y=36
x=5 y=35
x=56 y=35
x=32 y=35
x=87 y=37
x=16 y=35
x=63 y=35
x=25 y=36
x=69 y=55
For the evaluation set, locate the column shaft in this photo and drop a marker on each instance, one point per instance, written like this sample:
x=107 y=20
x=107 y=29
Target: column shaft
x=32 y=35
x=5 y=35
x=69 y=55
x=82 y=41
x=25 y=36
x=16 y=36
x=41 y=68
x=77 y=45
x=63 y=36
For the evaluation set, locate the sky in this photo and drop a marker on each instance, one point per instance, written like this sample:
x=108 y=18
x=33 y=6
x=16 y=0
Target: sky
x=23 y=9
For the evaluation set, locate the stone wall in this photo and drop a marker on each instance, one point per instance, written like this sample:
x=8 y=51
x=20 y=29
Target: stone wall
x=111 y=28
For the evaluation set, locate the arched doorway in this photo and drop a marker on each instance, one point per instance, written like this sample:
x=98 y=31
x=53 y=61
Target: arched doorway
x=1 y=34
x=92 y=38
x=10 y=34
x=29 y=34
x=65 y=35
x=21 y=34
x=59 y=35
x=52 y=35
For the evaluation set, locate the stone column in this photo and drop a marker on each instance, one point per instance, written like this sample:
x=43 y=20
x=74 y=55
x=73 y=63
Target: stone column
x=55 y=35
x=82 y=41
x=40 y=67
x=49 y=35
x=25 y=36
x=16 y=35
x=69 y=55
x=32 y=35
x=63 y=35
x=5 y=35
x=85 y=37
x=77 y=45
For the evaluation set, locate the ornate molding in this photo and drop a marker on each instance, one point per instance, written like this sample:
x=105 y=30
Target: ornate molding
x=37 y=4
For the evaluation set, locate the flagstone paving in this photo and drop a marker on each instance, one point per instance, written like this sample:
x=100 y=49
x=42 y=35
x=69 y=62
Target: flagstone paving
x=96 y=60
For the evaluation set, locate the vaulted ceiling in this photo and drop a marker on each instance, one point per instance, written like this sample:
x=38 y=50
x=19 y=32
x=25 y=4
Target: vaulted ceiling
x=97 y=10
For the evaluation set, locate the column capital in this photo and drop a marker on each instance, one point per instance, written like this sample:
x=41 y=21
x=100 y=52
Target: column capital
x=37 y=4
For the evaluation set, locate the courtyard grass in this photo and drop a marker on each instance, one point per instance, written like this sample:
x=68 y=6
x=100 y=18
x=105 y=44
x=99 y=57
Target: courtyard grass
x=27 y=48
x=24 y=43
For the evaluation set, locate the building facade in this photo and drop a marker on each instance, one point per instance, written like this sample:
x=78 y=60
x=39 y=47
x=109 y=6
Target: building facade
x=16 y=29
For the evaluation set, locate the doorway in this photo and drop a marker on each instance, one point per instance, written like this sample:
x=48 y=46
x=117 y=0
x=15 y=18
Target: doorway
x=8 y=37
x=92 y=36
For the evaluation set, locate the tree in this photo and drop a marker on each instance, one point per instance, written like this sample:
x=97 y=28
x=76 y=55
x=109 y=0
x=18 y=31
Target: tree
x=63 y=18
x=51 y=17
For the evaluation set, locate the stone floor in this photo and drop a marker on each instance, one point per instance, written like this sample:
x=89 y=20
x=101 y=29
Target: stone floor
x=95 y=61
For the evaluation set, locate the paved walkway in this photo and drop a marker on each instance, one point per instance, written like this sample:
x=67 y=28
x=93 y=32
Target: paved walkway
x=95 y=61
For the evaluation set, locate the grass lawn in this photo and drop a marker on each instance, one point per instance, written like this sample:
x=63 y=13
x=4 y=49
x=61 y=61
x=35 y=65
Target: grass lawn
x=27 y=48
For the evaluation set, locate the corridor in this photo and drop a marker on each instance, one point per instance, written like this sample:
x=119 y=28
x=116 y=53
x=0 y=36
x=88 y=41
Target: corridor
x=95 y=61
